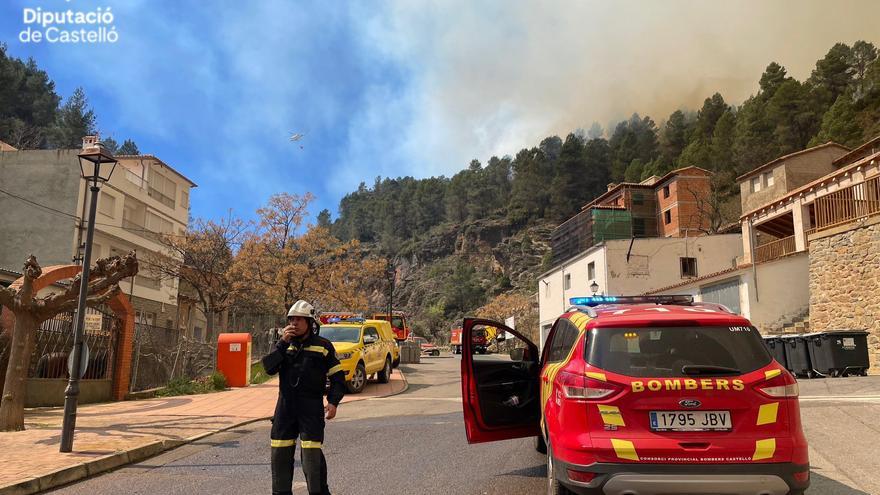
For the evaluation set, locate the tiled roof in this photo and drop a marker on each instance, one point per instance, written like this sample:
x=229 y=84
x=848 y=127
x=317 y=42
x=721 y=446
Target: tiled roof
x=698 y=279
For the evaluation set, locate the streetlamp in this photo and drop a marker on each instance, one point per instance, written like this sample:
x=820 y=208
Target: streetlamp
x=91 y=159
x=594 y=287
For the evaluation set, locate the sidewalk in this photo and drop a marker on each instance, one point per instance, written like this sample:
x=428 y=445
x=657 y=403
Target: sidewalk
x=114 y=434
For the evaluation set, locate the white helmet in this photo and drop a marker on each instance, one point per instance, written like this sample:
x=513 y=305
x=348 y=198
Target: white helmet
x=302 y=308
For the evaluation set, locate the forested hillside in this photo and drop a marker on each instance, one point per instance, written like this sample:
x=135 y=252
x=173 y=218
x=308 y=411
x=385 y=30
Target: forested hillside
x=523 y=197
x=456 y=243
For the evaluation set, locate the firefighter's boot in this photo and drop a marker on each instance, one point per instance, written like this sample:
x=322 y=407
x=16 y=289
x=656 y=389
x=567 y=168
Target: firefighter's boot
x=282 y=469
x=315 y=468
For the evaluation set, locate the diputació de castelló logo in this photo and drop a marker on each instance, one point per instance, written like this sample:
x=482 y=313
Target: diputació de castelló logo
x=68 y=26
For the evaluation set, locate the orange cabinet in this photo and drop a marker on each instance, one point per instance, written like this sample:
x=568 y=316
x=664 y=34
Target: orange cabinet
x=234 y=358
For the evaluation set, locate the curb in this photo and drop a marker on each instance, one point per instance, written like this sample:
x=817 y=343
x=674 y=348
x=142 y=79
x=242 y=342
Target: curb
x=109 y=462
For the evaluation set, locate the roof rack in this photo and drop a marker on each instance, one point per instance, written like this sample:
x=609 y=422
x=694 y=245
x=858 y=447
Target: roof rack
x=592 y=301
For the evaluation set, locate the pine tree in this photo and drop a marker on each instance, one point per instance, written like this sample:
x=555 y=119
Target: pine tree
x=74 y=120
x=129 y=148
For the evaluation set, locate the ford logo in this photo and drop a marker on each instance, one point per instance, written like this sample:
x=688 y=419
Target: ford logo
x=690 y=403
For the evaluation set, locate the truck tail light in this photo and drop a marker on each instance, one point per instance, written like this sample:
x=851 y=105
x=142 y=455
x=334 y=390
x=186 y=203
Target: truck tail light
x=782 y=386
x=579 y=387
x=779 y=391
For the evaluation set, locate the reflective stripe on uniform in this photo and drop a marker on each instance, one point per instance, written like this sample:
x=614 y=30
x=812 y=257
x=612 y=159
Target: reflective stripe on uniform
x=624 y=449
x=767 y=413
x=335 y=369
x=317 y=348
x=283 y=443
x=308 y=444
x=764 y=449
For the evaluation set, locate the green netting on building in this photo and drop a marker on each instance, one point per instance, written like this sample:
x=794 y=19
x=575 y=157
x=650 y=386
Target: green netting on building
x=611 y=224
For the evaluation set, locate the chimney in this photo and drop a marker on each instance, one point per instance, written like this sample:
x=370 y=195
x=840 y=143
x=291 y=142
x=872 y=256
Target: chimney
x=90 y=142
x=611 y=185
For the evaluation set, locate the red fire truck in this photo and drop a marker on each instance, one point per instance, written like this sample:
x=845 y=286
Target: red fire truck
x=399 y=324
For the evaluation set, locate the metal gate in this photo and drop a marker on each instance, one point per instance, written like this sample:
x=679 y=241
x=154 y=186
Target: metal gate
x=54 y=342
x=726 y=293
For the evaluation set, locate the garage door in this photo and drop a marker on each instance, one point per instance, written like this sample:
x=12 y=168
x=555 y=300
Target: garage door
x=726 y=293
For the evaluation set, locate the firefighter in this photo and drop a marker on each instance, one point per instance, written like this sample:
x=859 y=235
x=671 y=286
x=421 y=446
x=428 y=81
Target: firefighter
x=304 y=361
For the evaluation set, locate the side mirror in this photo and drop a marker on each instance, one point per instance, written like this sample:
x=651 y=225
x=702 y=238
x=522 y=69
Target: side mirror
x=501 y=337
x=518 y=354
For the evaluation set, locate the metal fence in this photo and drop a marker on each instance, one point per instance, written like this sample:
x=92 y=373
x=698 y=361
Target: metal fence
x=54 y=342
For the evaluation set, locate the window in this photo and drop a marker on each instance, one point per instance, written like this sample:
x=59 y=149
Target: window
x=591 y=270
x=665 y=192
x=147 y=282
x=371 y=332
x=145 y=317
x=768 y=179
x=159 y=225
x=664 y=351
x=688 y=267
x=162 y=189
x=106 y=204
x=667 y=217
x=567 y=284
x=197 y=334
x=184 y=199
x=638 y=199
x=562 y=340
x=756 y=184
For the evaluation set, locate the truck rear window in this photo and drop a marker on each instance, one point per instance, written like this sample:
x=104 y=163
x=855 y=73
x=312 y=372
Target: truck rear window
x=677 y=351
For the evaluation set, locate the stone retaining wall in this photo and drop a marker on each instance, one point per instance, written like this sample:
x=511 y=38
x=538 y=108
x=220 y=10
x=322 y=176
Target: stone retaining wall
x=845 y=283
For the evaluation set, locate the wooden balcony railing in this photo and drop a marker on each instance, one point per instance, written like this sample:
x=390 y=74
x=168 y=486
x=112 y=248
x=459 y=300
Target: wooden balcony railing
x=848 y=204
x=775 y=249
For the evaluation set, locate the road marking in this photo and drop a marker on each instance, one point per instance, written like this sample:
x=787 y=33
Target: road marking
x=840 y=398
x=447 y=399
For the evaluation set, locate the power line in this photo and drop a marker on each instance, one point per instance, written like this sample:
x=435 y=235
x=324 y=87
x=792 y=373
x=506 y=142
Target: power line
x=53 y=210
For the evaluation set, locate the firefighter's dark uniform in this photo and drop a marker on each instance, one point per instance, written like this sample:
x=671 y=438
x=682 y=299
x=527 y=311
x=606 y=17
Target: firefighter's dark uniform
x=304 y=366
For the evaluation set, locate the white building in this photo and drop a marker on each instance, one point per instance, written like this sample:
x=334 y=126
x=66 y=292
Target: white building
x=633 y=267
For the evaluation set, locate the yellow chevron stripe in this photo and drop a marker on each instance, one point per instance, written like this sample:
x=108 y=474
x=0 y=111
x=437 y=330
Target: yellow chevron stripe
x=308 y=444
x=335 y=369
x=772 y=374
x=767 y=413
x=611 y=415
x=317 y=348
x=283 y=443
x=597 y=376
x=624 y=449
x=764 y=449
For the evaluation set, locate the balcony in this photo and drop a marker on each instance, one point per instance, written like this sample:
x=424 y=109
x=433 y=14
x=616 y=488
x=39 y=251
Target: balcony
x=165 y=200
x=775 y=249
x=846 y=205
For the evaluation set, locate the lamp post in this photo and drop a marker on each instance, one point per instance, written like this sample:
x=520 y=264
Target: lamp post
x=92 y=157
x=594 y=287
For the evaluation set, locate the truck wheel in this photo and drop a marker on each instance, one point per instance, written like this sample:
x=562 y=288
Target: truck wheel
x=384 y=376
x=540 y=446
x=358 y=380
x=395 y=363
x=435 y=352
x=554 y=487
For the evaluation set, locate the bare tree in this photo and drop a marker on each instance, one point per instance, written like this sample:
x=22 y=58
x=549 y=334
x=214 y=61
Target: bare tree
x=713 y=209
x=202 y=258
x=30 y=311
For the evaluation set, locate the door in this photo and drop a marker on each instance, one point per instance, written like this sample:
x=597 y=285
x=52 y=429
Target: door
x=500 y=392
x=372 y=351
x=726 y=293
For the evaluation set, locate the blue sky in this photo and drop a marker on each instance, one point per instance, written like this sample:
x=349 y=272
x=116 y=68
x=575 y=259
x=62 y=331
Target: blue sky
x=215 y=88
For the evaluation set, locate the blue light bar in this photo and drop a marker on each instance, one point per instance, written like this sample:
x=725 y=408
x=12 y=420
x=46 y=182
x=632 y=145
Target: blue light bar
x=597 y=300
x=592 y=300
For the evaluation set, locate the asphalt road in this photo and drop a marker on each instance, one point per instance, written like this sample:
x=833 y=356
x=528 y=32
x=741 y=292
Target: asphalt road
x=414 y=443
